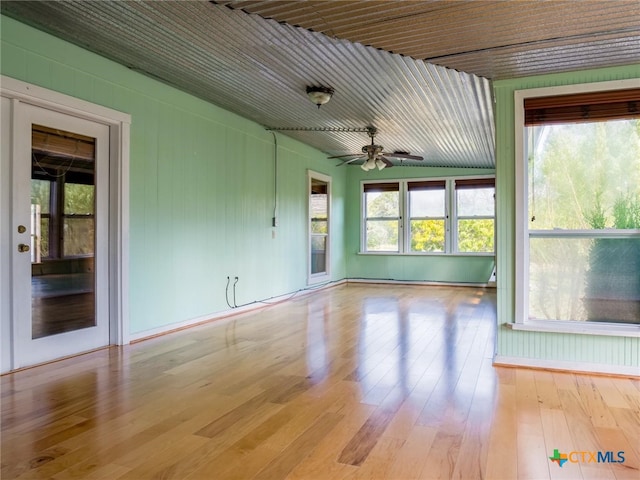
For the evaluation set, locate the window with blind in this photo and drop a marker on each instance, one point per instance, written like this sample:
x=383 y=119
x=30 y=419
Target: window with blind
x=382 y=217
x=582 y=198
x=475 y=212
x=429 y=216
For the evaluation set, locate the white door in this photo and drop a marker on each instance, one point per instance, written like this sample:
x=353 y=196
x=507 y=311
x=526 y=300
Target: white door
x=60 y=220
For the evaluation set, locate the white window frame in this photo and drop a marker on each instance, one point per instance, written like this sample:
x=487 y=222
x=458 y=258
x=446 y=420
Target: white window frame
x=364 y=218
x=456 y=218
x=522 y=322
x=445 y=217
x=404 y=230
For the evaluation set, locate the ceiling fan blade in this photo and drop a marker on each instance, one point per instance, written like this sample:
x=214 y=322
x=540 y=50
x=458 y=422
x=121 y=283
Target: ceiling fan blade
x=347 y=155
x=347 y=162
x=386 y=161
x=403 y=155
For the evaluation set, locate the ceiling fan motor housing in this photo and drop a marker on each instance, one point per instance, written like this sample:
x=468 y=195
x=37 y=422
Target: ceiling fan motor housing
x=372 y=149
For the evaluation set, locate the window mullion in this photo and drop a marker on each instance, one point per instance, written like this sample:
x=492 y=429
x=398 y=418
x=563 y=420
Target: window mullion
x=450 y=230
x=405 y=230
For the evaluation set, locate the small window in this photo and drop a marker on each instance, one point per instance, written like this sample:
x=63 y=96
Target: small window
x=427 y=215
x=382 y=217
x=475 y=201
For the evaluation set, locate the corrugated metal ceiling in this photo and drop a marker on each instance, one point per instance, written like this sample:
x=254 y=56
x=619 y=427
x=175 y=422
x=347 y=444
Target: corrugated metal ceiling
x=493 y=39
x=259 y=69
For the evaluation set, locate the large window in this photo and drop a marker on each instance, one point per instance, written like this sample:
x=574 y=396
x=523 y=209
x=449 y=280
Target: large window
x=431 y=216
x=581 y=235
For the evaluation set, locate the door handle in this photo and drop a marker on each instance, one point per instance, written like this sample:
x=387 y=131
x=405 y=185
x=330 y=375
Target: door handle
x=23 y=247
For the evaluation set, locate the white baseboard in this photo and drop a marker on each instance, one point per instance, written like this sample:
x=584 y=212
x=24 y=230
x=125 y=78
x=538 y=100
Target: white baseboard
x=225 y=314
x=419 y=282
x=566 y=366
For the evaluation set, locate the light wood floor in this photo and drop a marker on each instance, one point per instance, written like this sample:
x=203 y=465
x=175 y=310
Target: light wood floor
x=353 y=382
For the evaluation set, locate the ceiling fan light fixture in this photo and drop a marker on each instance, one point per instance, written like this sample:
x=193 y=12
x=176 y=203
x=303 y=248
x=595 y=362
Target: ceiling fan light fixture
x=380 y=164
x=370 y=164
x=319 y=95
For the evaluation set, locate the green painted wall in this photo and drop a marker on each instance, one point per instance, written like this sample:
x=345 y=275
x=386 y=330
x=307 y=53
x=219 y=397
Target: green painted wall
x=546 y=346
x=202 y=186
x=433 y=268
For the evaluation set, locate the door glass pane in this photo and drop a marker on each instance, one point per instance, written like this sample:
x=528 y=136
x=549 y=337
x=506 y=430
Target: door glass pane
x=63 y=231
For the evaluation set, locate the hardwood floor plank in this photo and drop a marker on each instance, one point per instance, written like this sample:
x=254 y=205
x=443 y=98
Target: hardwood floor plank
x=300 y=448
x=378 y=463
x=473 y=453
x=174 y=447
x=322 y=463
x=630 y=393
x=610 y=394
x=615 y=441
x=594 y=403
x=411 y=459
x=546 y=390
x=359 y=447
x=502 y=460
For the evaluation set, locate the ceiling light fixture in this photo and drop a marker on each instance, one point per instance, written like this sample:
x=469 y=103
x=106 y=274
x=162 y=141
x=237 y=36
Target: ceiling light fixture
x=319 y=95
x=370 y=164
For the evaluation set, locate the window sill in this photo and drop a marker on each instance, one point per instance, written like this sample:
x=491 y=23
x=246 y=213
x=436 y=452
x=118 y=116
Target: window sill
x=429 y=254
x=582 y=328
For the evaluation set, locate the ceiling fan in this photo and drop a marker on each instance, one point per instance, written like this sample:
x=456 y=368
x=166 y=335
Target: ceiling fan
x=374 y=155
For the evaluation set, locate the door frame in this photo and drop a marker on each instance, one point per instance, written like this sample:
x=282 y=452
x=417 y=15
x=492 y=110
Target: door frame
x=119 y=124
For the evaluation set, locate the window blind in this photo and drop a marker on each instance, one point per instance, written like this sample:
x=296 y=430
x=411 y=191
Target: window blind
x=475 y=183
x=382 y=187
x=583 y=107
x=427 y=185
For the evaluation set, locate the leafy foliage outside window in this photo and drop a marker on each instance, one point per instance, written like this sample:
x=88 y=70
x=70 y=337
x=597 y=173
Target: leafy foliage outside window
x=476 y=235
x=382 y=223
x=427 y=236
